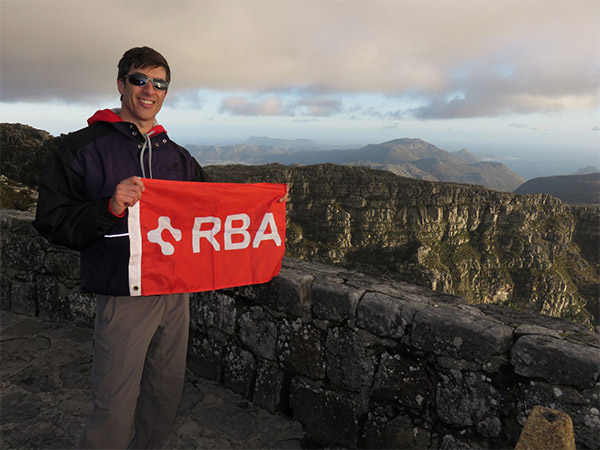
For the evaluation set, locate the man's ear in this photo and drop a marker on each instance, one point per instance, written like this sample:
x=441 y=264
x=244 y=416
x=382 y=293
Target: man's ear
x=121 y=85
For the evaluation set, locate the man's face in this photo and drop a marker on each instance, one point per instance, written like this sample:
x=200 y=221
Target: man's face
x=141 y=104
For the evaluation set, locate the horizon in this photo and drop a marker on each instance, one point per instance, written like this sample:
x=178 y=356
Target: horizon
x=527 y=168
x=498 y=78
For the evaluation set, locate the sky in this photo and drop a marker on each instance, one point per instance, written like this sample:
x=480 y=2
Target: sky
x=511 y=81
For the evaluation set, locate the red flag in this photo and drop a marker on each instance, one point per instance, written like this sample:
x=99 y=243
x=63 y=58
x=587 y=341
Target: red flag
x=192 y=237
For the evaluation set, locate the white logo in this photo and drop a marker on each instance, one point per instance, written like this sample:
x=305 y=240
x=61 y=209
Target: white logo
x=164 y=223
x=155 y=236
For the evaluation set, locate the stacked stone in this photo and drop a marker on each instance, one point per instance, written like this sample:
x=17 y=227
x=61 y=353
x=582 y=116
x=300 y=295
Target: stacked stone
x=359 y=361
x=40 y=279
x=373 y=364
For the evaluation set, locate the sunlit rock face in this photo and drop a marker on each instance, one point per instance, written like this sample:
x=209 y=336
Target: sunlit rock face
x=529 y=251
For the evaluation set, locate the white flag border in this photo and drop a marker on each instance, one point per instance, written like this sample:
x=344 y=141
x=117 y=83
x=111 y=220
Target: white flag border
x=135 y=250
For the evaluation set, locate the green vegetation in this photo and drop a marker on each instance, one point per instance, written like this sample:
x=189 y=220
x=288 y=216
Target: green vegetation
x=15 y=195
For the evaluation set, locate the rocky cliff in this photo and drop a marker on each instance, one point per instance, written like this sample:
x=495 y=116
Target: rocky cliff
x=529 y=251
x=25 y=152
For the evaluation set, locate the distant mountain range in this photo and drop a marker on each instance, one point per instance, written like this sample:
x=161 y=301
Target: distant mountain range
x=575 y=189
x=413 y=158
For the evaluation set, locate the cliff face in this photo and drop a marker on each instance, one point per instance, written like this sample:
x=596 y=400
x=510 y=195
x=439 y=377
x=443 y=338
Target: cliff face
x=25 y=152
x=529 y=251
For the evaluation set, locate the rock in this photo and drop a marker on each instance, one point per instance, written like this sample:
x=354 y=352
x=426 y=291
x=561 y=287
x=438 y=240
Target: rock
x=384 y=315
x=580 y=405
x=23 y=297
x=327 y=416
x=80 y=307
x=289 y=293
x=402 y=381
x=525 y=330
x=447 y=332
x=258 y=332
x=469 y=399
x=21 y=252
x=240 y=366
x=449 y=442
x=270 y=387
x=213 y=310
x=348 y=364
x=300 y=349
x=205 y=356
x=556 y=360
x=398 y=432
x=63 y=264
x=335 y=302
x=548 y=429
x=48 y=295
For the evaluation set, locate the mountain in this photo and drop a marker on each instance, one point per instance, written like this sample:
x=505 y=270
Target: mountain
x=586 y=170
x=466 y=156
x=295 y=144
x=583 y=189
x=413 y=158
x=25 y=152
x=533 y=252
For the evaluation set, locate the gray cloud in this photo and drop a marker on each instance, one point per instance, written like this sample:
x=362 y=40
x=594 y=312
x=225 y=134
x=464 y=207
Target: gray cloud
x=319 y=106
x=280 y=105
x=523 y=126
x=464 y=58
x=187 y=100
x=242 y=106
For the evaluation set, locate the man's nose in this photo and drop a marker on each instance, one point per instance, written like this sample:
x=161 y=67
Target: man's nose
x=149 y=87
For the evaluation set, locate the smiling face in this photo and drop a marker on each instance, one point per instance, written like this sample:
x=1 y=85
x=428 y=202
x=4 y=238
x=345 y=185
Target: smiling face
x=141 y=104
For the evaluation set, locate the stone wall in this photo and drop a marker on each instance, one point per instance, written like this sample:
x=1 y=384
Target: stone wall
x=359 y=361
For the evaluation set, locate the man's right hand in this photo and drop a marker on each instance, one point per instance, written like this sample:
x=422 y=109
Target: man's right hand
x=127 y=193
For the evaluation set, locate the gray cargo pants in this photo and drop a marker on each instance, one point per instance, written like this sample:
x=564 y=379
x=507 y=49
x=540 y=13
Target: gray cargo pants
x=140 y=347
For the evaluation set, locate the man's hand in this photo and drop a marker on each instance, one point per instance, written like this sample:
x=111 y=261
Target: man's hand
x=127 y=193
x=287 y=194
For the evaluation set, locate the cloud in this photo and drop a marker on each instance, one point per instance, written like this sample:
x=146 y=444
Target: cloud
x=596 y=128
x=282 y=105
x=187 y=100
x=242 y=106
x=319 y=106
x=464 y=58
x=524 y=126
x=484 y=92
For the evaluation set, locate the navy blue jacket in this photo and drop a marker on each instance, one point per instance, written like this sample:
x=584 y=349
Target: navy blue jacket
x=81 y=178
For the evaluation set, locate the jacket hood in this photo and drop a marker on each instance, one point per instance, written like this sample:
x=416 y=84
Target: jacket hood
x=112 y=116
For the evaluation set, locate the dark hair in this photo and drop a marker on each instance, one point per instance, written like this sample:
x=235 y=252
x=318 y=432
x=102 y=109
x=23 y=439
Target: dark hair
x=142 y=57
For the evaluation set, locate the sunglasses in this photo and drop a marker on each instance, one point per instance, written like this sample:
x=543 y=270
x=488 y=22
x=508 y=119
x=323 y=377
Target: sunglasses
x=140 y=80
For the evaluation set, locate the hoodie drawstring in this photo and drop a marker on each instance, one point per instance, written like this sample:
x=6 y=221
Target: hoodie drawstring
x=148 y=144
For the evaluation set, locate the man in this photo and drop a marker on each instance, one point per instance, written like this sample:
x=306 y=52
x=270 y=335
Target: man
x=140 y=343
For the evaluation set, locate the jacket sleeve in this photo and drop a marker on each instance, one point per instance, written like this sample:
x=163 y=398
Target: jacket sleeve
x=64 y=216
